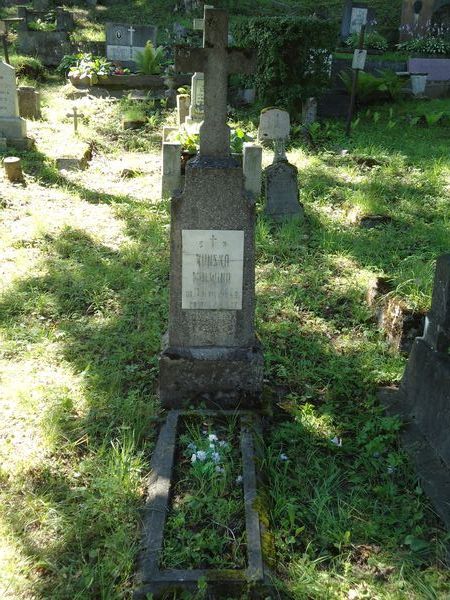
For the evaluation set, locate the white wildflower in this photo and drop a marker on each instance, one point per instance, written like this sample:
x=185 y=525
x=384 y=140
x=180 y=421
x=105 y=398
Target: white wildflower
x=201 y=455
x=284 y=457
x=223 y=444
x=238 y=480
x=192 y=446
x=216 y=457
x=219 y=469
x=212 y=437
x=193 y=458
x=337 y=441
x=212 y=446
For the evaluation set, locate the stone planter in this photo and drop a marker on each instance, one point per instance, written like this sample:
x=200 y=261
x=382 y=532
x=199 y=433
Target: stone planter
x=131 y=82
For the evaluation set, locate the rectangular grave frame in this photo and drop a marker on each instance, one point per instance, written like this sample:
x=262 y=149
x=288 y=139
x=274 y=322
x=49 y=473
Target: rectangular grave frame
x=151 y=578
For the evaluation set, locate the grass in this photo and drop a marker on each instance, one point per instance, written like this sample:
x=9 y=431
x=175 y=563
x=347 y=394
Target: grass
x=205 y=525
x=85 y=265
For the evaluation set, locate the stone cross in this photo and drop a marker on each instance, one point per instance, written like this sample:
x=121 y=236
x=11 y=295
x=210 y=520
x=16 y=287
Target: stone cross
x=437 y=324
x=75 y=115
x=216 y=60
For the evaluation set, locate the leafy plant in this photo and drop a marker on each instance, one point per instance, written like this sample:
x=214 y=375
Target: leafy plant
x=28 y=66
x=427 y=45
x=190 y=142
x=237 y=139
x=367 y=87
x=372 y=41
x=149 y=60
x=41 y=25
x=293 y=61
x=391 y=83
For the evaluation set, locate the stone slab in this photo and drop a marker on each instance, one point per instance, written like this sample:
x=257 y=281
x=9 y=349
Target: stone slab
x=274 y=124
x=124 y=41
x=281 y=192
x=212 y=269
x=438 y=69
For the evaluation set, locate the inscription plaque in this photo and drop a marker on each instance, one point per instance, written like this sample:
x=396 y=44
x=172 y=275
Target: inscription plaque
x=212 y=269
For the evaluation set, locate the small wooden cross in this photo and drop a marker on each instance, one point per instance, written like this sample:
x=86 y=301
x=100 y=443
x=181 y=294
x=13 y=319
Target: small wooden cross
x=75 y=115
x=216 y=60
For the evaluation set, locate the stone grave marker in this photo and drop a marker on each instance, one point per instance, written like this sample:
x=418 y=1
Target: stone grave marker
x=423 y=399
x=124 y=41
x=211 y=354
x=29 y=102
x=356 y=14
x=281 y=186
x=12 y=126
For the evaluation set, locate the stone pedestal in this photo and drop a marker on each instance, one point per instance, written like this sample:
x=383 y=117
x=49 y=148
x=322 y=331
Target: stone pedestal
x=281 y=191
x=211 y=355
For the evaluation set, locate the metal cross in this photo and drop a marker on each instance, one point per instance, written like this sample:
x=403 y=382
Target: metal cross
x=74 y=115
x=216 y=60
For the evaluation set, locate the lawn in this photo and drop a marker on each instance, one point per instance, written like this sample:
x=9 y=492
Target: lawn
x=85 y=264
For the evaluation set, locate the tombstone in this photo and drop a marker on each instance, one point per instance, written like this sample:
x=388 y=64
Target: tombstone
x=183 y=102
x=309 y=111
x=124 y=41
x=423 y=399
x=196 y=108
x=12 y=126
x=355 y=15
x=211 y=356
x=29 y=102
x=281 y=185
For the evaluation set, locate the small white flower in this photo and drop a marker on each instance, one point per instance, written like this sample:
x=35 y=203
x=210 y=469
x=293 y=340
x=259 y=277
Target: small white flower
x=212 y=437
x=284 y=457
x=201 y=455
x=337 y=441
x=212 y=446
x=216 y=457
x=238 y=480
x=219 y=469
x=223 y=444
x=193 y=458
x=192 y=446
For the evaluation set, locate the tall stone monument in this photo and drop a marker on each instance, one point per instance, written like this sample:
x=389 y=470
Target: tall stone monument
x=211 y=356
x=12 y=126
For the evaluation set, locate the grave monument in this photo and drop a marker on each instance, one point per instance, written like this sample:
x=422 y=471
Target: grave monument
x=423 y=399
x=124 y=41
x=356 y=14
x=12 y=126
x=211 y=356
x=281 y=186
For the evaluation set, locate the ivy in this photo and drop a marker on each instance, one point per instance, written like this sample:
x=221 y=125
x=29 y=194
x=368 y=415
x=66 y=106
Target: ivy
x=294 y=56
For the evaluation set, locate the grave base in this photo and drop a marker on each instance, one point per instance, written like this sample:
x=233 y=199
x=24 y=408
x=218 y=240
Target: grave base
x=218 y=378
x=20 y=143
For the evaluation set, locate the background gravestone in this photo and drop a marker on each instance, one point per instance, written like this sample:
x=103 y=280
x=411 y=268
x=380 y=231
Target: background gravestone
x=355 y=15
x=281 y=183
x=124 y=41
x=12 y=127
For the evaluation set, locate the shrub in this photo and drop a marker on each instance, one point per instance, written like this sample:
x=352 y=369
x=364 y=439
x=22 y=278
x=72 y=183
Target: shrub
x=372 y=41
x=149 y=60
x=27 y=66
x=371 y=88
x=430 y=45
x=294 y=57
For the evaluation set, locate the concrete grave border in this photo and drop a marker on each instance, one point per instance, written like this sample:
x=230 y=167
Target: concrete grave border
x=152 y=580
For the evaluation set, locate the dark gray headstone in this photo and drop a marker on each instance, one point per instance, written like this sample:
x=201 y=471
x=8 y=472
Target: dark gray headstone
x=282 y=198
x=211 y=354
x=423 y=399
x=124 y=41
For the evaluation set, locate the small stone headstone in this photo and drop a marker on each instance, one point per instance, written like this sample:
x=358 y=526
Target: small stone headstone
x=29 y=102
x=12 y=126
x=124 y=41
x=309 y=111
x=281 y=185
